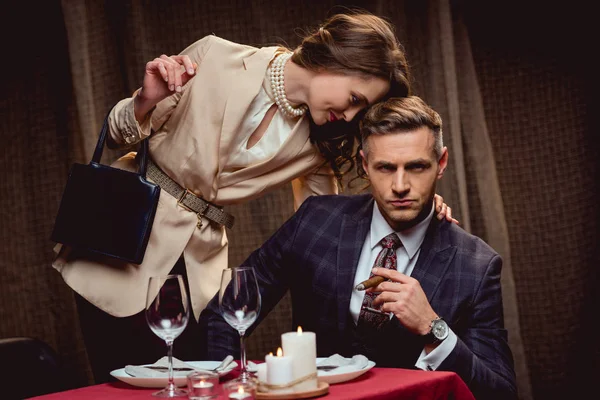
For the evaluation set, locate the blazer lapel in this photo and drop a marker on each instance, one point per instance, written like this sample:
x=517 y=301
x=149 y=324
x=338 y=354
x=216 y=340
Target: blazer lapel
x=244 y=87
x=353 y=230
x=434 y=259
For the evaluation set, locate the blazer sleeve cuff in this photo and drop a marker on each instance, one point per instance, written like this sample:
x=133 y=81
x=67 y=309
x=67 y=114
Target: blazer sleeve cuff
x=124 y=128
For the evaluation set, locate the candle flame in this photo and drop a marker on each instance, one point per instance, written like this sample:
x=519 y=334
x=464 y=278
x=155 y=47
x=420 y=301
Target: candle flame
x=241 y=389
x=299 y=330
x=270 y=353
x=279 y=352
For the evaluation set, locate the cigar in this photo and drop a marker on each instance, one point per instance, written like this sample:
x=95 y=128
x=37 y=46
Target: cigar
x=371 y=282
x=376 y=311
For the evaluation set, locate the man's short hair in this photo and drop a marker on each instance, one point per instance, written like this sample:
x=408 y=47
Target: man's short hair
x=401 y=114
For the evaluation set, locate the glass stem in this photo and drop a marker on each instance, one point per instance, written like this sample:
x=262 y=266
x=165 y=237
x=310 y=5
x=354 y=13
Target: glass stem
x=171 y=384
x=243 y=353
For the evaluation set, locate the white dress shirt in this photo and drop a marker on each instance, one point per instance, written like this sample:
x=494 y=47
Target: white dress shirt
x=407 y=256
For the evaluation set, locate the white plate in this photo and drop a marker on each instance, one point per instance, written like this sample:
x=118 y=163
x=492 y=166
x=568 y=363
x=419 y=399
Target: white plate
x=332 y=376
x=161 y=382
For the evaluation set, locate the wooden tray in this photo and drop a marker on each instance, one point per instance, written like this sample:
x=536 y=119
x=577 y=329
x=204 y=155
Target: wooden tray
x=322 y=388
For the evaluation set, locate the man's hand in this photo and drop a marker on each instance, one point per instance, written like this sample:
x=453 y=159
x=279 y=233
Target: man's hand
x=404 y=297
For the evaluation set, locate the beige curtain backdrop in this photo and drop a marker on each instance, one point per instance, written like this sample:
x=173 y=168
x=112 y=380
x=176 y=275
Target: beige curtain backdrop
x=522 y=173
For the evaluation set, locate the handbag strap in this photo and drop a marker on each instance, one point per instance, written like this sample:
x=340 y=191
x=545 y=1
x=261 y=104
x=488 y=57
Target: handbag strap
x=142 y=156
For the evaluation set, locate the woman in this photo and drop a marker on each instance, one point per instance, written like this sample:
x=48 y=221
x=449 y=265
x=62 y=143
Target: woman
x=230 y=123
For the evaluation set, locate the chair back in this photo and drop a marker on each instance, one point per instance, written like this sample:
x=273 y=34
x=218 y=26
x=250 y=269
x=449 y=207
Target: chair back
x=28 y=367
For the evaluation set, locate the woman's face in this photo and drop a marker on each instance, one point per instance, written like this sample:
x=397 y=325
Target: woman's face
x=336 y=96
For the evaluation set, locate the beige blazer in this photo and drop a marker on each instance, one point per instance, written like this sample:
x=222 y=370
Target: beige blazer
x=194 y=132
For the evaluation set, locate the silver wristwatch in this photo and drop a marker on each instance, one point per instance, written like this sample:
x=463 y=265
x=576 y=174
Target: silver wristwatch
x=438 y=332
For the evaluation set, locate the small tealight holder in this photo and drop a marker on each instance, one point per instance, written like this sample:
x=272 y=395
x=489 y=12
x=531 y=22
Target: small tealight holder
x=203 y=385
x=240 y=390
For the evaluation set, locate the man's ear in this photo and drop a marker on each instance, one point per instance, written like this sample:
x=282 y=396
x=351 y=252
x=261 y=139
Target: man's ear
x=443 y=163
x=364 y=161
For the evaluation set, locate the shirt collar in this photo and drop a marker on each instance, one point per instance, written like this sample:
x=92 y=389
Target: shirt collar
x=411 y=238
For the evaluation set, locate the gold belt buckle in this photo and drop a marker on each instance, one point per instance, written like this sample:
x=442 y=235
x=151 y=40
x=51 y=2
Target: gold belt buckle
x=198 y=214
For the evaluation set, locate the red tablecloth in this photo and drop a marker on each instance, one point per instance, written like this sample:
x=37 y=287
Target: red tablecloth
x=376 y=384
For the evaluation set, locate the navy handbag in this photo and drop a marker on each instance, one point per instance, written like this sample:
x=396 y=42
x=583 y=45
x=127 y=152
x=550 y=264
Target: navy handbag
x=107 y=210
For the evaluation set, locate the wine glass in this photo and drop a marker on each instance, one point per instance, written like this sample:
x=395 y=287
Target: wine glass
x=167 y=314
x=239 y=301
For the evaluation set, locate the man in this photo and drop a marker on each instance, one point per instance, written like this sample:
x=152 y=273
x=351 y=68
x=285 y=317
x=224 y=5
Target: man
x=440 y=307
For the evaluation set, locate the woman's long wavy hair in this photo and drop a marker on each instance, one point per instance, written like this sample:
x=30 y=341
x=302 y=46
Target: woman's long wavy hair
x=355 y=43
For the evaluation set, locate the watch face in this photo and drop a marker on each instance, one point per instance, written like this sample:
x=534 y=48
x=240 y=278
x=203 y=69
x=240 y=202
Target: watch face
x=440 y=329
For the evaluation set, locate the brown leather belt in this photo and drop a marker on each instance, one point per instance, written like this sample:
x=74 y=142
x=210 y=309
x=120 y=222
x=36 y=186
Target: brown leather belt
x=188 y=199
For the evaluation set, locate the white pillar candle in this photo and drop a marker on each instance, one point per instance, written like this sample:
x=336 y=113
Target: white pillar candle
x=279 y=371
x=261 y=372
x=301 y=347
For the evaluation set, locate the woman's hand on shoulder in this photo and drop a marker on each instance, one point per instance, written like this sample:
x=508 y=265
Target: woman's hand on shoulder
x=163 y=76
x=443 y=210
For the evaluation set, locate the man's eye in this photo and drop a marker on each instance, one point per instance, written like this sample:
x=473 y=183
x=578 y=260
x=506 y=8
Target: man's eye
x=355 y=100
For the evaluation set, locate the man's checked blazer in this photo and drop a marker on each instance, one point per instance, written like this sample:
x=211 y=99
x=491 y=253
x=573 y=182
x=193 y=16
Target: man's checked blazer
x=315 y=256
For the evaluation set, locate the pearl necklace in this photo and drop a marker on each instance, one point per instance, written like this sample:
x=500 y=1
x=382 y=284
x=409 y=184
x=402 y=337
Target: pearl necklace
x=278 y=87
